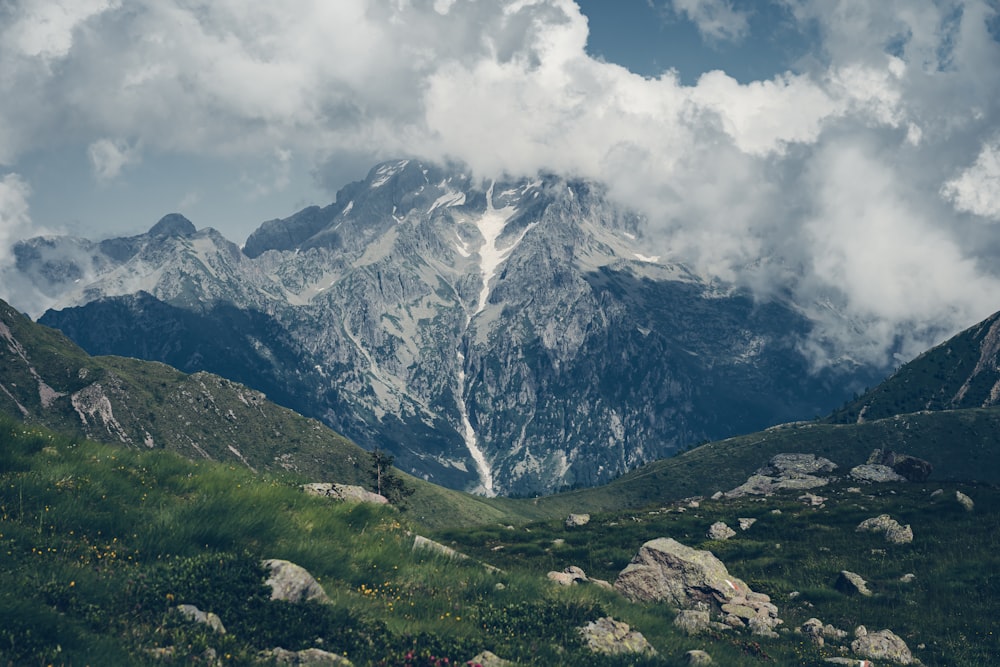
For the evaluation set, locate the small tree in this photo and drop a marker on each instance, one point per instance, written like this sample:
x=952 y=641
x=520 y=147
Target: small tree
x=385 y=481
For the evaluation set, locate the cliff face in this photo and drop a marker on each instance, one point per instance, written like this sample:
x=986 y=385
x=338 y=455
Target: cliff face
x=509 y=338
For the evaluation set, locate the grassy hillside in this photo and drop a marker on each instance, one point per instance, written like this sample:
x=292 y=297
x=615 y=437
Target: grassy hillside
x=100 y=542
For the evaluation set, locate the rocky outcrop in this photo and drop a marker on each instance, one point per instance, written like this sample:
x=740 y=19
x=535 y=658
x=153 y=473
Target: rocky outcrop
x=489 y=659
x=310 y=657
x=421 y=543
x=344 y=493
x=852 y=584
x=570 y=576
x=665 y=570
x=692 y=621
x=720 y=531
x=610 y=637
x=819 y=633
x=292 y=583
x=697 y=658
x=875 y=472
x=786 y=471
x=885 y=525
x=192 y=613
x=577 y=520
x=909 y=467
x=881 y=645
x=745 y=523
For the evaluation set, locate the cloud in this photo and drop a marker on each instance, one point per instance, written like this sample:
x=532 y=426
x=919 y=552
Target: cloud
x=14 y=217
x=977 y=189
x=717 y=20
x=853 y=183
x=108 y=158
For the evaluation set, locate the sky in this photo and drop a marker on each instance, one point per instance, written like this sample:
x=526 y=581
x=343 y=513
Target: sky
x=843 y=154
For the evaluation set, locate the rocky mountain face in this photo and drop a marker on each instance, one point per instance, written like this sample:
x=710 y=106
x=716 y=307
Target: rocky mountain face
x=962 y=372
x=502 y=337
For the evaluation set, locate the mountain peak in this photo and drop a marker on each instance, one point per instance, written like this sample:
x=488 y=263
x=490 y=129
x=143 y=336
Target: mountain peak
x=172 y=224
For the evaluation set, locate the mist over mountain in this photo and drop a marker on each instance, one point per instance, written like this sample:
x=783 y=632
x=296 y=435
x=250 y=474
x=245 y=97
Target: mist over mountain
x=503 y=337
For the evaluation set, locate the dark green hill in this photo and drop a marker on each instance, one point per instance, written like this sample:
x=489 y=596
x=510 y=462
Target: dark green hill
x=962 y=372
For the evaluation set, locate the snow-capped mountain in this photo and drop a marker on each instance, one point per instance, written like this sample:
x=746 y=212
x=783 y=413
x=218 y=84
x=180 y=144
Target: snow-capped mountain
x=508 y=337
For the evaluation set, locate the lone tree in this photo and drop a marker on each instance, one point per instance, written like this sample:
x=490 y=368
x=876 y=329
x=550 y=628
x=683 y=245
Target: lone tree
x=385 y=481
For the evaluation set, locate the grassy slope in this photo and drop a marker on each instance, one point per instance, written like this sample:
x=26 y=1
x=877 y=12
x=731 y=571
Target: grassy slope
x=99 y=542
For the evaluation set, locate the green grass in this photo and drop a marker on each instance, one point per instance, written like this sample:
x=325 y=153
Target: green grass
x=99 y=542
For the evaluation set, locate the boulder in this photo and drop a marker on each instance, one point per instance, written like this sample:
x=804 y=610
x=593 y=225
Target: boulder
x=313 y=657
x=885 y=525
x=881 y=645
x=908 y=578
x=344 y=493
x=697 y=658
x=692 y=621
x=577 y=520
x=292 y=583
x=665 y=570
x=422 y=543
x=812 y=499
x=745 y=523
x=611 y=637
x=570 y=576
x=720 y=531
x=668 y=571
x=875 y=472
x=489 y=659
x=851 y=584
x=965 y=501
x=910 y=467
x=192 y=613
x=786 y=471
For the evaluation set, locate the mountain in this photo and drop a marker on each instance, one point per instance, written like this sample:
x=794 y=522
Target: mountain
x=505 y=337
x=962 y=372
x=47 y=380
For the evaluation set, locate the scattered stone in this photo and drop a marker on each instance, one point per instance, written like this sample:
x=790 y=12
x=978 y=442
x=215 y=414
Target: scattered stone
x=694 y=504
x=854 y=489
x=697 y=658
x=908 y=578
x=692 y=621
x=852 y=584
x=571 y=576
x=558 y=542
x=776 y=512
x=313 y=657
x=812 y=499
x=292 y=583
x=489 y=659
x=881 y=645
x=611 y=637
x=717 y=495
x=939 y=492
x=746 y=523
x=344 y=493
x=875 y=472
x=192 y=613
x=500 y=586
x=888 y=527
x=577 y=520
x=422 y=543
x=813 y=628
x=965 y=501
x=854 y=662
x=720 y=531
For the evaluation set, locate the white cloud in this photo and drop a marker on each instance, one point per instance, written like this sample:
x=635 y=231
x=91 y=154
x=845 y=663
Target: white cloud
x=825 y=182
x=717 y=20
x=108 y=158
x=977 y=189
x=14 y=217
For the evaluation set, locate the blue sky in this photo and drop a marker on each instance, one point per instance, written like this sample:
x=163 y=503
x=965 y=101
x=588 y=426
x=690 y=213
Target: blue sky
x=841 y=153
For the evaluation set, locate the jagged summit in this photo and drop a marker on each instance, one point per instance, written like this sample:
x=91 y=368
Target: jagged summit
x=172 y=224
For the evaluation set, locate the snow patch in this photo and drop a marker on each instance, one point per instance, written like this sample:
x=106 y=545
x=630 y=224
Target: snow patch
x=469 y=434
x=387 y=171
x=446 y=200
x=645 y=258
x=491 y=226
x=348 y=208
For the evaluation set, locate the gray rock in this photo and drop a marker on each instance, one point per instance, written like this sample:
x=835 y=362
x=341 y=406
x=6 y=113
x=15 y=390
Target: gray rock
x=812 y=499
x=908 y=578
x=489 y=659
x=885 y=525
x=570 y=576
x=745 y=523
x=802 y=464
x=311 y=657
x=852 y=584
x=577 y=520
x=909 y=467
x=192 y=613
x=611 y=637
x=873 y=472
x=965 y=501
x=292 y=583
x=422 y=543
x=697 y=658
x=344 y=493
x=692 y=621
x=786 y=471
x=882 y=645
x=720 y=531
